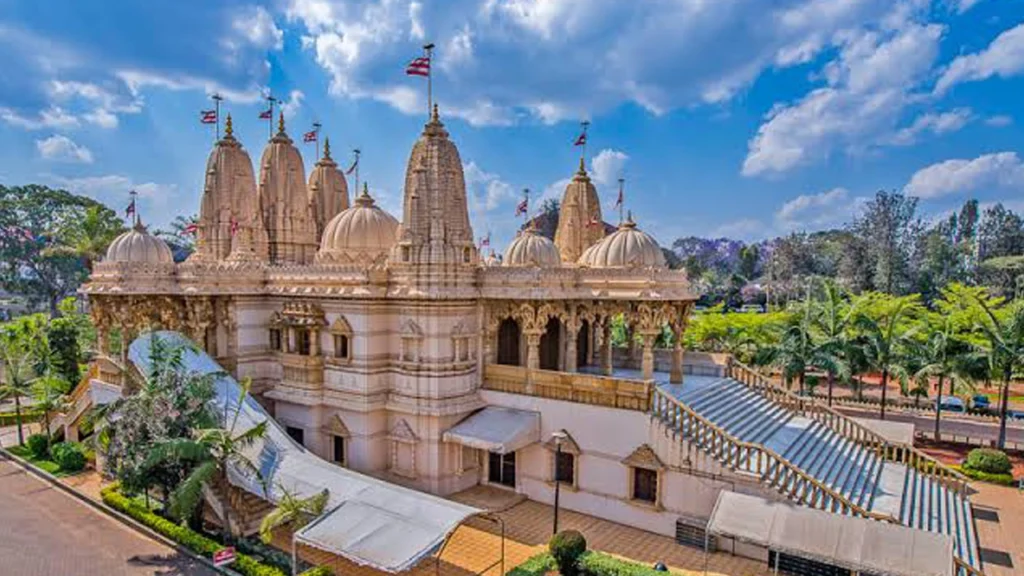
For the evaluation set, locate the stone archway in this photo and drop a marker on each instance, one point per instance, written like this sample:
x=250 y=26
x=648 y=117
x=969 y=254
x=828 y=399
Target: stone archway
x=509 y=336
x=551 y=345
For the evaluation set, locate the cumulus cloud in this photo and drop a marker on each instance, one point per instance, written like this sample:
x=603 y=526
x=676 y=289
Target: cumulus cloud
x=935 y=123
x=999 y=121
x=63 y=149
x=868 y=87
x=486 y=190
x=52 y=117
x=1003 y=57
x=255 y=26
x=290 y=106
x=811 y=212
x=962 y=6
x=607 y=166
x=1002 y=170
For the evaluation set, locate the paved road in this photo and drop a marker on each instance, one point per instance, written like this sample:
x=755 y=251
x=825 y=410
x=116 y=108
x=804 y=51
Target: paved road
x=44 y=532
x=925 y=423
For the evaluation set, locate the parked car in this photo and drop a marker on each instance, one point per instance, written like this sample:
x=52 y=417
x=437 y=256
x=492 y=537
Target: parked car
x=951 y=404
x=981 y=402
x=752 y=309
x=1015 y=414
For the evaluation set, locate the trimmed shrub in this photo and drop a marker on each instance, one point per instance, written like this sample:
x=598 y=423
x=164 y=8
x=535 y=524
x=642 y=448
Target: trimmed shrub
x=538 y=565
x=988 y=461
x=195 y=542
x=37 y=445
x=604 y=565
x=566 y=547
x=1003 y=479
x=27 y=416
x=69 y=456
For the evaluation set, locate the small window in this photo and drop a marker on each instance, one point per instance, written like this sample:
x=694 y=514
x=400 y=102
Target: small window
x=645 y=485
x=303 y=342
x=341 y=346
x=405 y=254
x=338 y=455
x=275 y=339
x=565 y=468
x=297 y=434
x=466 y=255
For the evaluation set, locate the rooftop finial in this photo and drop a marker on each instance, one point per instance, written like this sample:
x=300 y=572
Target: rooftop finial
x=583 y=166
x=229 y=131
x=364 y=198
x=280 y=123
x=327 y=148
x=434 y=115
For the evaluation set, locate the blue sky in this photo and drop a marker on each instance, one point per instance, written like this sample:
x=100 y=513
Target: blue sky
x=747 y=118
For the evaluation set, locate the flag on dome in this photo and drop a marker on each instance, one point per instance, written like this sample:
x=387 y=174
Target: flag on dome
x=419 y=66
x=486 y=240
x=594 y=222
x=581 y=140
x=352 y=168
x=522 y=207
x=267 y=114
x=619 y=200
x=130 y=210
x=192 y=228
x=208 y=116
x=309 y=136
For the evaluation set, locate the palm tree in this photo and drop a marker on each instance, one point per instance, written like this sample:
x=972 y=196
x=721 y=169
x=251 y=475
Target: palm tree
x=1003 y=329
x=293 y=512
x=19 y=360
x=49 y=398
x=943 y=356
x=89 y=237
x=886 y=337
x=832 y=325
x=212 y=451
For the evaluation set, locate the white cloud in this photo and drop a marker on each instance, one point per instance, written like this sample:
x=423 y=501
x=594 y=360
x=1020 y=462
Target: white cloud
x=255 y=26
x=936 y=123
x=416 y=31
x=486 y=190
x=53 y=117
x=962 y=6
x=1004 y=57
x=138 y=80
x=608 y=166
x=290 y=106
x=743 y=229
x=811 y=212
x=63 y=149
x=999 y=121
x=868 y=86
x=1002 y=170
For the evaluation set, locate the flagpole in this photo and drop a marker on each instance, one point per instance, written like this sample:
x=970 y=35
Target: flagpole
x=356 y=152
x=622 y=198
x=216 y=100
x=316 y=131
x=429 y=48
x=583 y=148
x=270 y=122
x=526 y=213
x=135 y=207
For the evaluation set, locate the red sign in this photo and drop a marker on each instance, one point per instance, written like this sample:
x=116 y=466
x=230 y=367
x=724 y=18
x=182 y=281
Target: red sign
x=224 y=557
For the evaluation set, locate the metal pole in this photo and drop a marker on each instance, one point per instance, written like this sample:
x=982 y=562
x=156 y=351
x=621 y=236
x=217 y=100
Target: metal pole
x=216 y=99
x=356 y=191
x=430 y=79
x=295 y=556
x=558 y=453
x=316 y=130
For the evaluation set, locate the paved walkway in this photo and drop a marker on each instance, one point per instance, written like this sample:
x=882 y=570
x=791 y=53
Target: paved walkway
x=999 y=516
x=44 y=532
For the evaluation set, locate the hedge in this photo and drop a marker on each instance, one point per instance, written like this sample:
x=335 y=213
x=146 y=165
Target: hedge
x=69 y=456
x=593 y=563
x=1004 y=479
x=27 y=416
x=195 y=542
x=318 y=571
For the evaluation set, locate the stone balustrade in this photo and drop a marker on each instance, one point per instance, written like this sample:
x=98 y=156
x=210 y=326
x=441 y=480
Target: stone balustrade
x=628 y=394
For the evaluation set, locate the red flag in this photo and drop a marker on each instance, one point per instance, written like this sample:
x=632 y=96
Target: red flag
x=266 y=114
x=485 y=241
x=352 y=168
x=208 y=116
x=522 y=207
x=192 y=228
x=234 y=226
x=309 y=136
x=130 y=210
x=581 y=140
x=419 y=67
x=619 y=200
x=594 y=222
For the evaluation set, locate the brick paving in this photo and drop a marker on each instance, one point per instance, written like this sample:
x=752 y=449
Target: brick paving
x=999 y=516
x=44 y=532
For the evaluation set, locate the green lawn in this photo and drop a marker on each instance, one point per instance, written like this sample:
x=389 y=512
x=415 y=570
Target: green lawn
x=41 y=463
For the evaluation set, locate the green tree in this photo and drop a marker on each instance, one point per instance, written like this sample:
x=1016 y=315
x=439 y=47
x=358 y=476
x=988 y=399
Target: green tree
x=888 y=229
x=179 y=237
x=832 y=324
x=944 y=357
x=1003 y=331
x=211 y=452
x=88 y=236
x=34 y=222
x=65 y=355
x=885 y=335
x=293 y=512
x=48 y=392
x=22 y=349
x=1001 y=233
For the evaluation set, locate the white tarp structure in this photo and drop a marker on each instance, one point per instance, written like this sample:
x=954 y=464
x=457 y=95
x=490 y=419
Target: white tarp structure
x=850 y=542
x=369 y=521
x=496 y=429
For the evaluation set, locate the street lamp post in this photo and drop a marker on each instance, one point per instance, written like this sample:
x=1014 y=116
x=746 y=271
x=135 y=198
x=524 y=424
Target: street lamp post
x=558 y=437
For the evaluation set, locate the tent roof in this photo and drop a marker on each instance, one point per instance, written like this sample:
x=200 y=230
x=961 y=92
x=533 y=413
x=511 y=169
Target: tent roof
x=497 y=429
x=855 y=543
x=369 y=521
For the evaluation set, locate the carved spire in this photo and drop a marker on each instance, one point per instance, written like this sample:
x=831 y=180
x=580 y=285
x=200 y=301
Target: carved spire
x=280 y=123
x=229 y=131
x=327 y=148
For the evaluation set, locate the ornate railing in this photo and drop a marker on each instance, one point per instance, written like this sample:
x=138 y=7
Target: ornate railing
x=773 y=469
x=570 y=386
x=849 y=428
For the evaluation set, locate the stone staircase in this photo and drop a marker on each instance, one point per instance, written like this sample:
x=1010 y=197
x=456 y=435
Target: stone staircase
x=807 y=453
x=228 y=504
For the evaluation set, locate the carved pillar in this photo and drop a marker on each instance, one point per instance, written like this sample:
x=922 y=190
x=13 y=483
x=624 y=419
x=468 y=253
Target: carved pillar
x=572 y=331
x=630 y=346
x=675 y=375
x=532 y=355
x=591 y=342
x=606 y=348
x=647 y=360
x=314 y=342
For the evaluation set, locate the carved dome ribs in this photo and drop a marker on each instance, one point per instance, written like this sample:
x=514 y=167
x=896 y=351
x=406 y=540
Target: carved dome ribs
x=362 y=234
x=532 y=249
x=627 y=247
x=139 y=246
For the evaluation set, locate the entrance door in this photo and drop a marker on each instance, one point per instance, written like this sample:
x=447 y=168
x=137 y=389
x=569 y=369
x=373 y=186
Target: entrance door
x=508 y=342
x=551 y=345
x=501 y=469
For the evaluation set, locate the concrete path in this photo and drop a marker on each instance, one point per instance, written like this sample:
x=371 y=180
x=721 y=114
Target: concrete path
x=45 y=532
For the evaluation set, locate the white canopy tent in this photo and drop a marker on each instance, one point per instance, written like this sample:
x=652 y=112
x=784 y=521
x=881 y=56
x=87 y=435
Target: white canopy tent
x=369 y=522
x=849 y=542
x=497 y=429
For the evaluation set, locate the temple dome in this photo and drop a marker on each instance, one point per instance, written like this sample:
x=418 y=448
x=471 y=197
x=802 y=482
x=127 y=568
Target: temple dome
x=627 y=247
x=138 y=245
x=532 y=249
x=328 y=190
x=580 y=224
x=362 y=233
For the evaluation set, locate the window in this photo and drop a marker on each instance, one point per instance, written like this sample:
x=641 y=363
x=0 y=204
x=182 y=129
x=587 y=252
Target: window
x=341 y=346
x=501 y=469
x=405 y=254
x=565 y=468
x=645 y=485
x=275 y=339
x=302 y=342
x=297 y=434
x=338 y=456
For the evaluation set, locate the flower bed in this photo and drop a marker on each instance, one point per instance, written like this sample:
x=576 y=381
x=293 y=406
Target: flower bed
x=192 y=540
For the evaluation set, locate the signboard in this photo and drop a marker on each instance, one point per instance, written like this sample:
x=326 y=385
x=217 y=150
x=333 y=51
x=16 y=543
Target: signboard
x=224 y=557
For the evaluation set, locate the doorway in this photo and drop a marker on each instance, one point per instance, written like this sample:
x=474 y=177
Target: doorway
x=508 y=342
x=551 y=344
x=501 y=469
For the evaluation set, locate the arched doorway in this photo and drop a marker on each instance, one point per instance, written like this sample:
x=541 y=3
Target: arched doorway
x=551 y=344
x=508 y=342
x=583 y=341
